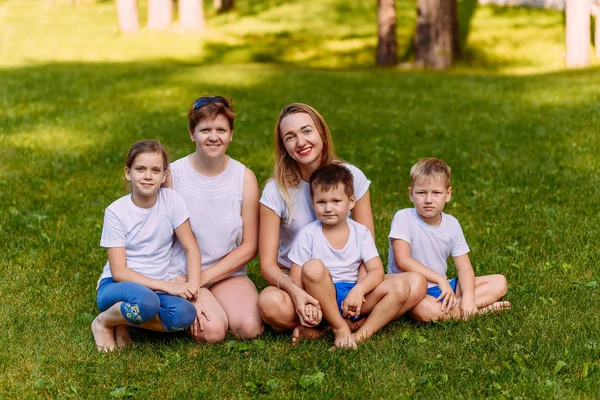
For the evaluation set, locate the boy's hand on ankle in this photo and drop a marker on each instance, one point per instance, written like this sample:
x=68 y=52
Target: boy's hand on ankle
x=352 y=304
x=448 y=297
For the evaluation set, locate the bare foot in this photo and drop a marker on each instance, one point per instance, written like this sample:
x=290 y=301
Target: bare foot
x=304 y=332
x=344 y=339
x=496 y=307
x=103 y=336
x=122 y=336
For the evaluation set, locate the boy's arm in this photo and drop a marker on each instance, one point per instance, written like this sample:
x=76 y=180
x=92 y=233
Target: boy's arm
x=406 y=263
x=352 y=304
x=466 y=280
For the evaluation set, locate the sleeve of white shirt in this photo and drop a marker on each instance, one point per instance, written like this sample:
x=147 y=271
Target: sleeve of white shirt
x=401 y=226
x=272 y=199
x=459 y=243
x=113 y=232
x=361 y=182
x=179 y=212
x=368 y=248
x=301 y=252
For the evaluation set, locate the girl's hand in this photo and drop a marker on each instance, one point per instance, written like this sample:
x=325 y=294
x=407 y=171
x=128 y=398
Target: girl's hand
x=184 y=289
x=352 y=304
x=448 y=297
x=301 y=299
x=198 y=326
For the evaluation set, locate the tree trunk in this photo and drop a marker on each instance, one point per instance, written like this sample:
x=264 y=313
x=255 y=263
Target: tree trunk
x=160 y=14
x=387 y=47
x=578 y=33
x=434 y=33
x=191 y=14
x=223 y=5
x=596 y=14
x=127 y=13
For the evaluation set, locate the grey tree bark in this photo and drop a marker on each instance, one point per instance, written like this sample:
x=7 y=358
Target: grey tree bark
x=387 y=47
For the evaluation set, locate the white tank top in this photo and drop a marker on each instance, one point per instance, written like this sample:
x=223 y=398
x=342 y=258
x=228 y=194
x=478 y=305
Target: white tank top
x=215 y=207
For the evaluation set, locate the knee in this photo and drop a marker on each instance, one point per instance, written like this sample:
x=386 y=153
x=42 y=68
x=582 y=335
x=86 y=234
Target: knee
x=213 y=332
x=400 y=289
x=501 y=284
x=141 y=308
x=180 y=318
x=314 y=271
x=249 y=328
x=270 y=304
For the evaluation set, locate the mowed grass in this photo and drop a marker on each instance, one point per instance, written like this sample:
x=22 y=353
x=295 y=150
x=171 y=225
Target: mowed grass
x=521 y=136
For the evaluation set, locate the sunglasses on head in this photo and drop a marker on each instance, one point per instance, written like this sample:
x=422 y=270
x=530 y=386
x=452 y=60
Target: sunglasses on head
x=202 y=101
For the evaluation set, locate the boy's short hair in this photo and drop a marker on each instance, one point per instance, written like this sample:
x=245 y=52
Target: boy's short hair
x=430 y=168
x=329 y=176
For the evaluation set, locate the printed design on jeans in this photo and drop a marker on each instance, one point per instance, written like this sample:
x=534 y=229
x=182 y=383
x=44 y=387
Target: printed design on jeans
x=132 y=313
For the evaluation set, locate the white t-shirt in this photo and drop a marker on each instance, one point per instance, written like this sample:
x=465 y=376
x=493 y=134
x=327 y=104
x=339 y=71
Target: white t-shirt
x=431 y=245
x=215 y=206
x=303 y=211
x=146 y=233
x=343 y=264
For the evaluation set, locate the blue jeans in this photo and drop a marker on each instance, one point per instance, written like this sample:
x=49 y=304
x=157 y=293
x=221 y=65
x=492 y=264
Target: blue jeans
x=140 y=304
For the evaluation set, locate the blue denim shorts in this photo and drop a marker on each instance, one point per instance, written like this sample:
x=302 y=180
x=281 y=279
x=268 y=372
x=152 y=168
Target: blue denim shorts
x=436 y=292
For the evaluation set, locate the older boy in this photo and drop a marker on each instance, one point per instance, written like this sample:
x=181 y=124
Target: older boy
x=422 y=238
x=327 y=254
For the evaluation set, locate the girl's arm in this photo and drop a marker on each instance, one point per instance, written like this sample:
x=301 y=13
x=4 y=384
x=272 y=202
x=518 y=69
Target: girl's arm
x=192 y=253
x=363 y=214
x=247 y=250
x=120 y=273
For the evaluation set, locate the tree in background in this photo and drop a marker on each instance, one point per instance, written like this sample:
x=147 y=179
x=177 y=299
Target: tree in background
x=160 y=14
x=223 y=5
x=387 y=47
x=191 y=14
x=577 y=33
x=127 y=14
x=436 y=28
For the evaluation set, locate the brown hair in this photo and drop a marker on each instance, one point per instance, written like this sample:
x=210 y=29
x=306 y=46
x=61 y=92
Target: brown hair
x=211 y=110
x=146 y=146
x=286 y=172
x=430 y=168
x=329 y=177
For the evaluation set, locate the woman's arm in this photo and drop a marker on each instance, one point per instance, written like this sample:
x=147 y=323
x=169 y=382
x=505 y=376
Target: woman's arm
x=268 y=245
x=363 y=214
x=120 y=273
x=192 y=254
x=246 y=251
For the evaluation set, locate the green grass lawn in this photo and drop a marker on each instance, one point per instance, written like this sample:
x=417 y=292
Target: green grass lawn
x=521 y=135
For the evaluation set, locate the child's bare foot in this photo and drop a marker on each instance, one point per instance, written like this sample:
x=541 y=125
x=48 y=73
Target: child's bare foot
x=103 y=336
x=122 y=336
x=304 y=332
x=496 y=307
x=344 y=339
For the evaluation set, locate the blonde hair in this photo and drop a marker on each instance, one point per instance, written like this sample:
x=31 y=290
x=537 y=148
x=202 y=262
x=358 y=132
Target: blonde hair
x=286 y=172
x=430 y=168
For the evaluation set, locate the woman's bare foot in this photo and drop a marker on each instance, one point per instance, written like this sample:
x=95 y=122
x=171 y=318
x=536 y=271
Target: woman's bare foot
x=122 y=336
x=304 y=332
x=103 y=336
x=496 y=307
x=344 y=338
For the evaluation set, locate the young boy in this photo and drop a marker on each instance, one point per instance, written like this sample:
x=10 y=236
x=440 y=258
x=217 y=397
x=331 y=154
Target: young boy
x=326 y=256
x=422 y=238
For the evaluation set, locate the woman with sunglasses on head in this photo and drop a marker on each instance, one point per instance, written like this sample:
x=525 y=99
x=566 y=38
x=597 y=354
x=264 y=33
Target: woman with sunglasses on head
x=303 y=143
x=221 y=195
